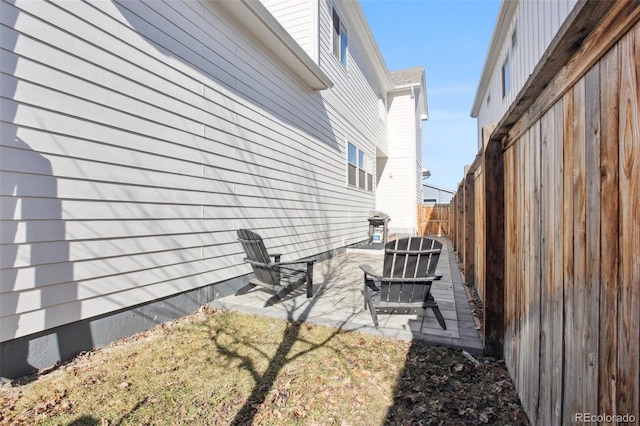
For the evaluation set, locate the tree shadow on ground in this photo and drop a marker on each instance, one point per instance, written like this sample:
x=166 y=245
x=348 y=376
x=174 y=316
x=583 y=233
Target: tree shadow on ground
x=441 y=386
x=285 y=354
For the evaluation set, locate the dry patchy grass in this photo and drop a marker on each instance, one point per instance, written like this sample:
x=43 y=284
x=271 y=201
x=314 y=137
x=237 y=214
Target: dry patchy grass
x=221 y=367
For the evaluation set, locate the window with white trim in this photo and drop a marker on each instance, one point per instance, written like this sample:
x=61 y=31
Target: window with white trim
x=361 y=171
x=352 y=167
x=339 y=39
x=359 y=168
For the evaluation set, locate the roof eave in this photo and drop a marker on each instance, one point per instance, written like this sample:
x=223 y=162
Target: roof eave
x=253 y=16
x=424 y=107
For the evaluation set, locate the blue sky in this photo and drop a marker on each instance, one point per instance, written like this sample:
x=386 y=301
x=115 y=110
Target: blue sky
x=450 y=38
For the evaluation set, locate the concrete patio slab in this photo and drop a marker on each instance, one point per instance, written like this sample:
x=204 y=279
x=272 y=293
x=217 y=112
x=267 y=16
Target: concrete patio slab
x=338 y=302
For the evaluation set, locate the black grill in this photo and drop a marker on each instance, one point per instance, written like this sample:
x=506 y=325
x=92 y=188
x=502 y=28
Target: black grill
x=378 y=221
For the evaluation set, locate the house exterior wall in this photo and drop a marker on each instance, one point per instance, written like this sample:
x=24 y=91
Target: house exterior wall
x=138 y=137
x=300 y=19
x=400 y=188
x=534 y=23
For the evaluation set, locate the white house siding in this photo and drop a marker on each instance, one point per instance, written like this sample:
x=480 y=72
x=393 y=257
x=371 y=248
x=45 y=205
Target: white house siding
x=138 y=136
x=352 y=105
x=536 y=23
x=397 y=194
x=300 y=19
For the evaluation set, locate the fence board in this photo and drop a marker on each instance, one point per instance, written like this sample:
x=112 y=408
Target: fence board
x=609 y=98
x=548 y=184
x=510 y=279
x=591 y=292
x=579 y=249
x=568 y=272
x=629 y=173
x=556 y=262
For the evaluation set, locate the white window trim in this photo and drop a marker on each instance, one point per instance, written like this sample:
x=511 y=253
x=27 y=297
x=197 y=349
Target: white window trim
x=341 y=34
x=364 y=180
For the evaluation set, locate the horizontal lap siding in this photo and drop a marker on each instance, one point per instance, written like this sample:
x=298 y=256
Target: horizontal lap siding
x=352 y=105
x=396 y=191
x=295 y=16
x=137 y=137
x=571 y=267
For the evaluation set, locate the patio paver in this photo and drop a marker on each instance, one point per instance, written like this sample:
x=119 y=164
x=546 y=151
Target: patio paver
x=338 y=302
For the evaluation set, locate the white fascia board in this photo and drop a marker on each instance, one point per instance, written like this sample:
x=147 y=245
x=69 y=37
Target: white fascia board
x=505 y=16
x=254 y=17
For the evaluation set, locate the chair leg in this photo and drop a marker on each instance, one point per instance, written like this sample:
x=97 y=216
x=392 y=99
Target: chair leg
x=365 y=293
x=368 y=303
x=374 y=315
x=309 y=280
x=439 y=316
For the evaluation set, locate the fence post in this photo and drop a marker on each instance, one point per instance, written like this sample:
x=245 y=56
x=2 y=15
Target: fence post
x=460 y=224
x=493 y=167
x=469 y=229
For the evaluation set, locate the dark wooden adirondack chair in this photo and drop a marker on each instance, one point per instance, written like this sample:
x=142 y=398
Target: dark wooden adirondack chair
x=405 y=284
x=271 y=273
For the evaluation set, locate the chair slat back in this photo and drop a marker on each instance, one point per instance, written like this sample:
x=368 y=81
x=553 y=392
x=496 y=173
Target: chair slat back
x=413 y=257
x=255 y=250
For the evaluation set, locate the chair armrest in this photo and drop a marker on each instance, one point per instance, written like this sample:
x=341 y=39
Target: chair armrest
x=368 y=270
x=272 y=264
x=253 y=262
x=296 y=262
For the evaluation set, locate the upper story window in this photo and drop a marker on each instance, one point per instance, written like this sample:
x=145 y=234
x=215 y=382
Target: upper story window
x=506 y=78
x=339 y=39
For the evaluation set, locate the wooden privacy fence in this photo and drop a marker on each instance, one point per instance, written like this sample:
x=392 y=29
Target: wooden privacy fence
x=546 y=223
x=433 y=219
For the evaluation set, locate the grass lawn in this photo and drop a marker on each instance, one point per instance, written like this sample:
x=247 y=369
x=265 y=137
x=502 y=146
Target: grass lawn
x=221 y=367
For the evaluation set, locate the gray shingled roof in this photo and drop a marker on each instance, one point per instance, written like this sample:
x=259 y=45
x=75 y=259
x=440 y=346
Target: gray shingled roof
x=407 y=76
